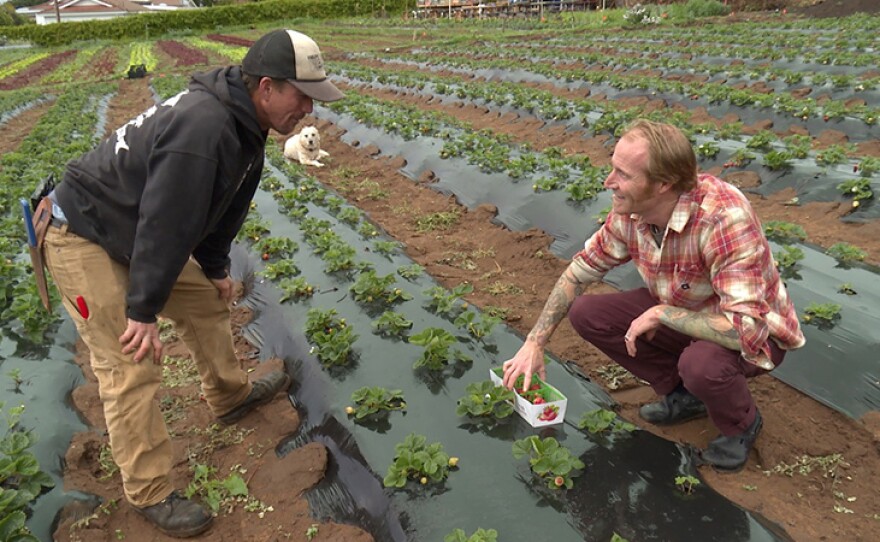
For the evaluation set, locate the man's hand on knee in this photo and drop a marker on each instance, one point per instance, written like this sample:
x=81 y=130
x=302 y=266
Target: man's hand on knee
x=140 y=338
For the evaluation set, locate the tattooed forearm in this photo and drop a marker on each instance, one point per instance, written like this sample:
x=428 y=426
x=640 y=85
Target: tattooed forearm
x=567 y=289
x=710 y=327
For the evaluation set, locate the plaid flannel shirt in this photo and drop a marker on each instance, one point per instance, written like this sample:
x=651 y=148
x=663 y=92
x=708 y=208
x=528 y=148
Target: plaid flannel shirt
x=713 y=258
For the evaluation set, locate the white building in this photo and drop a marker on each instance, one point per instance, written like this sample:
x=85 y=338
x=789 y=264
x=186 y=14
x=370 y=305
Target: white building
x=90 y=10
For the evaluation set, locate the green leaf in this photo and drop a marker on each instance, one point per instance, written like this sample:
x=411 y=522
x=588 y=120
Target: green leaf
x=235 y=486
x=12 y=525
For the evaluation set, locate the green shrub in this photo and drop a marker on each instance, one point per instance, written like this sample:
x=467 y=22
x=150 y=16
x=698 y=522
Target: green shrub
x=706 y=8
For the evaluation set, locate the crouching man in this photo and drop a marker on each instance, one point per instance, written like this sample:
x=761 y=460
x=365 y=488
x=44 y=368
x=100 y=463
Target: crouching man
x=714 y=311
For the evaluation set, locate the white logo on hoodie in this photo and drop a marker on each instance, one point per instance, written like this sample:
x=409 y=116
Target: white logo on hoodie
x=138 y=121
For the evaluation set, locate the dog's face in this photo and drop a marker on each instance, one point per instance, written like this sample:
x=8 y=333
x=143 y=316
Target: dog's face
x=309 y=138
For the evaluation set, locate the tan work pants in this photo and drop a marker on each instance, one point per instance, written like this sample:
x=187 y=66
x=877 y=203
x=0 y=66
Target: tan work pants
x=138 y=437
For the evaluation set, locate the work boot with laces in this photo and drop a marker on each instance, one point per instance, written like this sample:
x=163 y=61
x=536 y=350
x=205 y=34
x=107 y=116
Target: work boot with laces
x=177 y=516
x=264 y=390
x=676 y=407
x=730 y=454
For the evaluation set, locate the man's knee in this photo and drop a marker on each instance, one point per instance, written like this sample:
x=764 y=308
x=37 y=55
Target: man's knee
x=704 y=365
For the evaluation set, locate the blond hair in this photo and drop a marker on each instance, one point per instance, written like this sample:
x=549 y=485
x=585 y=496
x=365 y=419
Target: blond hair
x=671 y=157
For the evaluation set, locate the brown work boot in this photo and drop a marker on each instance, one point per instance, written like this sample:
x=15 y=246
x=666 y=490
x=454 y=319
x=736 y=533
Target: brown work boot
x=264 y=390
x=177 y=516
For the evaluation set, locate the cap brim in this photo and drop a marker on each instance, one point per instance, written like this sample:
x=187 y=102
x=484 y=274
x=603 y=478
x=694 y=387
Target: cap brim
x=323 y=91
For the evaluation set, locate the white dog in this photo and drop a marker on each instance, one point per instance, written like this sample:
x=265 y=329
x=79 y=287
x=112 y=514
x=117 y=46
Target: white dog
x=305 y=147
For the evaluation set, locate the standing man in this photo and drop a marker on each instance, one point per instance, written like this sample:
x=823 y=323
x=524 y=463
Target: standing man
x=142 y=226
x=714 y=311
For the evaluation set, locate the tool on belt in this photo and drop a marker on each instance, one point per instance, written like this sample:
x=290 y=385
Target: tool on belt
x=36 y=225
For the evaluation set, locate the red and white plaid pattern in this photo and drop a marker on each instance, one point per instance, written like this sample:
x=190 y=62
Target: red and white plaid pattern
x=714 y=258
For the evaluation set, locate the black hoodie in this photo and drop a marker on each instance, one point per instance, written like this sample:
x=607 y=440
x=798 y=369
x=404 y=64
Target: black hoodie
x=175 y=181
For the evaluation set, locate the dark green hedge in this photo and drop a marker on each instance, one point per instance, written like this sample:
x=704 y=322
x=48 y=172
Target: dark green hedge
x=152 y=25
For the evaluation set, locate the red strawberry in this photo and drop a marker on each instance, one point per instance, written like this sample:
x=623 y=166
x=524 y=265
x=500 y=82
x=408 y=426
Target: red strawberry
x=538 y=400
x=549 y=414
x=265 y=256
x=559 y=481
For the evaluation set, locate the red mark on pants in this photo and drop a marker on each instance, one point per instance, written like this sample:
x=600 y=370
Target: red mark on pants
x=82 y=307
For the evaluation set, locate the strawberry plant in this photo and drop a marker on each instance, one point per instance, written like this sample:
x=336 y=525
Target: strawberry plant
x=784 y=231
x=858 y=189
x=375 y=400
x=709 y=149
x=334 y=204
x=252 y=229
x=21 y=479
x=443 y=302
x=845 y=253
x=333 y=347
x=869 y=166
x=436 y=354
x=386 y=248
x=411 y=271
x=731 y=130
x=367 y=230
x=776 y=160
x=600 y=420
x=761 y=140
x=798 y=145
x=832 y=155
x=476 y=328
x=686 y=484
x=280 y=269
x=330 y=335
x=788 y=258
x=318 y=320
x=485 y=399
x=294 y=289
x=587 y=186
x=350 y=215
x=480 y=535
x=416 y=460
x=546 y=184
x=846 y=288
x=339 y=257
x=740 y=158
x=549 y=460
x=822 y=314
x=392 y=324
x=369 y=288
x=276 y=246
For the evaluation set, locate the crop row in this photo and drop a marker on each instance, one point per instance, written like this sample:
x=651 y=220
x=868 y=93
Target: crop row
x=761 y=51
x=723 y=142
x=605 y=57
x=66 y=131
x=713 y=92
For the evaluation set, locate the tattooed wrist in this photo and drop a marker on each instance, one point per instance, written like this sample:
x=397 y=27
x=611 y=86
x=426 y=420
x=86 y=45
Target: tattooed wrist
x=699 y=325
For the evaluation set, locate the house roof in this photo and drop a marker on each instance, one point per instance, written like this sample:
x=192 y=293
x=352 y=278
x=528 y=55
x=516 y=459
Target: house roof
x=90 y=6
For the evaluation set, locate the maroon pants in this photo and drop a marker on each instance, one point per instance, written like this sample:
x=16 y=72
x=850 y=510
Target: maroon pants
x=714 y=374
